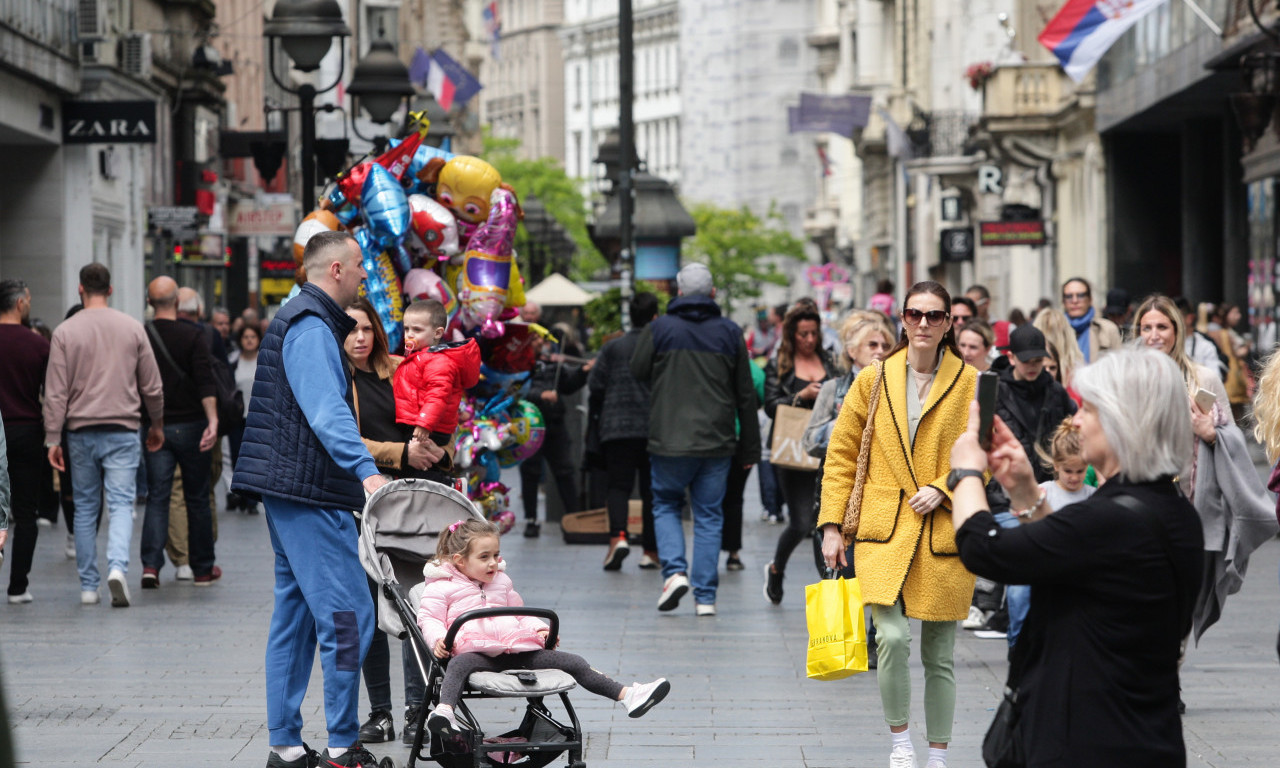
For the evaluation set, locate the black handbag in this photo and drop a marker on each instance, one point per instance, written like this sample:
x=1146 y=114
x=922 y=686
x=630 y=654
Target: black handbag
x=1002 y=746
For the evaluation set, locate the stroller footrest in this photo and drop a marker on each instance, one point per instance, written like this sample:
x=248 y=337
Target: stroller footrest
x=521 y=682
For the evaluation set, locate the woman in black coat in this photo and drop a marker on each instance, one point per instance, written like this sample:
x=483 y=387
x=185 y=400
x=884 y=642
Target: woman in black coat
x=794 y=377
x=1113 y=579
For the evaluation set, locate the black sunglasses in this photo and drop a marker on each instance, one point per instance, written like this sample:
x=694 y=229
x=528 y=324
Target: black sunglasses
x=933 y=317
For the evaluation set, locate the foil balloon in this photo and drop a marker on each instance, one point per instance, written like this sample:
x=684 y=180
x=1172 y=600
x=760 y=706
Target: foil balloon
x=488 y=461
x=382 y=287
x=314 y=223
x=464 y=452
x=425 y=284
x=433 y=231
x=487 y=267
x=386 y=212
x=465 y=185
x=350 y=185
x=505 y=520
x=528 y=429
x=413 y=184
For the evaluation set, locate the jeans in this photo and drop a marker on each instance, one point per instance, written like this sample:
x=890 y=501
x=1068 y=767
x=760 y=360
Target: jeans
x=28 y=471
x=103 y=460
x=181 y=448
x=1017 y=596
x=769 y=495
x=705 y=477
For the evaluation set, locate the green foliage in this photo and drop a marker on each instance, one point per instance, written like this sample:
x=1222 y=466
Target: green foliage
x=604 y=312
x=561 y=195
x=741 y=249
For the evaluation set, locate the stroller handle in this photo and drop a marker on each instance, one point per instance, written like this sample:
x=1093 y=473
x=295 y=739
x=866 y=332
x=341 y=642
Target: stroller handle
x=485 y=613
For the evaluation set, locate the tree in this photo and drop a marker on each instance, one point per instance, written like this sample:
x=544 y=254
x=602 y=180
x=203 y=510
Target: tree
x=604 y=312
x=546 y=178
x=741 y=249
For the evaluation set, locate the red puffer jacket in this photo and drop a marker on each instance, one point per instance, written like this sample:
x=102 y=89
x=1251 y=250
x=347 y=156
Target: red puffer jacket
x=429 y=384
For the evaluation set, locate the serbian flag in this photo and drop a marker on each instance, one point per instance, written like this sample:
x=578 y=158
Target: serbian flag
x=493 y=26
x=450 y=81
x=1084 y=29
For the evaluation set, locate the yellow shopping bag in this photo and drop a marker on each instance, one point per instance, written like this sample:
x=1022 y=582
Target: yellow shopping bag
x=837 y=633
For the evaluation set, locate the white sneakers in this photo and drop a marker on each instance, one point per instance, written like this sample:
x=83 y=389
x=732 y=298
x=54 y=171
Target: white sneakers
x=902 y=757
x=25 y=597
x=70 y=549
x=639 y=699
x=672 y=590
x=444 y=723
x=705 y=609
x=119 y=589
x=184 y=573
x=89 y=597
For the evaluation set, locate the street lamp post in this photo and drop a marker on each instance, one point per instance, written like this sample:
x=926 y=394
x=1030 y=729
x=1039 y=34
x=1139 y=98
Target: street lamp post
x=305 y=29
x=380 y=82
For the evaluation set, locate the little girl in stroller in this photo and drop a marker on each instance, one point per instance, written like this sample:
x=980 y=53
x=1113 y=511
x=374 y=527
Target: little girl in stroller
x=467 y=574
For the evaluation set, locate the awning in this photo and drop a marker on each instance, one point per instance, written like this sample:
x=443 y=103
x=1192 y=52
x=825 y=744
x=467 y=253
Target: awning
x=558 y=291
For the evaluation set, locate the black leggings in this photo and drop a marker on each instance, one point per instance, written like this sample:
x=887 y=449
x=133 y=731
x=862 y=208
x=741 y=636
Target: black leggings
x=797 y=487
x=627 y=461
x=462 y=665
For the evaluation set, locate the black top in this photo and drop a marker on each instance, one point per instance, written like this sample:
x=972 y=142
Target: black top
x=1033 y=410
x=377 y=419
x=22 y=369
x=183 y=389
x=1109 y=609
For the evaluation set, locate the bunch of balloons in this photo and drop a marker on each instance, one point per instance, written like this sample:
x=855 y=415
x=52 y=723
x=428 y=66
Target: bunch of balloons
x=434 y=225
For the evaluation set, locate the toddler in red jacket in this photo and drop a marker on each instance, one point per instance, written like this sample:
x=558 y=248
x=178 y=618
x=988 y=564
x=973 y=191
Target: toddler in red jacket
x=468 y=573
x=429 y=383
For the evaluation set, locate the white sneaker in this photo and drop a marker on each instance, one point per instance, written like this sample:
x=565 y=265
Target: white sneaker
x=648 y=562
x=642 y=698
x=184 y=573
x=705 y=609
x=70 y=550
x=25 y=597
x=672 y=590
x=902 y=757
x=443 y=722
x=119 y=589
x=936 y=764
x=44 y=522
x=976 y=619
x=89 y=597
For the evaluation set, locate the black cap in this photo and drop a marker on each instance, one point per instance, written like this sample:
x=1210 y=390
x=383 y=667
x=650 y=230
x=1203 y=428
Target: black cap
x=1027 y=343
x=1117 y=302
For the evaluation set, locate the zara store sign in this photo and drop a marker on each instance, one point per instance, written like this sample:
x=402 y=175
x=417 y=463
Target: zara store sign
x=108 y=122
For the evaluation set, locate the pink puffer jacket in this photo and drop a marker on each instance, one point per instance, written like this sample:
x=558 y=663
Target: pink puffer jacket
x=448 y=594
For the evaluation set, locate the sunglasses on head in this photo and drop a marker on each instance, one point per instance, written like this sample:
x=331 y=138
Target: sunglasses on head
x=934 y=317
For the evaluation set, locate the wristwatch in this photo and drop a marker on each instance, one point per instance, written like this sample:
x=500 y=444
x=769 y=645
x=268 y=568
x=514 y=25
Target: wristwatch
x=956 y=475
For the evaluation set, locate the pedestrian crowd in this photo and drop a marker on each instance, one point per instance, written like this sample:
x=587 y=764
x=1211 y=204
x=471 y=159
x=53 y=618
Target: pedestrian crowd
x=1098 y=533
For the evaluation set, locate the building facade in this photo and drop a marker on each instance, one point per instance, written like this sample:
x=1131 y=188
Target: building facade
x=523 y=76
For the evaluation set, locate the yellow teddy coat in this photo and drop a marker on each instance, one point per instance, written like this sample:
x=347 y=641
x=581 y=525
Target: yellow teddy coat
x=896 y=551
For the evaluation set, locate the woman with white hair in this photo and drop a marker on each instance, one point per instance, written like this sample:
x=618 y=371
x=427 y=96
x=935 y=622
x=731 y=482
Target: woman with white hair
x=1113 y=578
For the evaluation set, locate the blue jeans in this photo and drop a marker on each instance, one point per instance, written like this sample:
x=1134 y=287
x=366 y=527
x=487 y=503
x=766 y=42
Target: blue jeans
x=706 y=479
x=181 y=448
x=770 y=497
x=103 y=460
x=1017 y=596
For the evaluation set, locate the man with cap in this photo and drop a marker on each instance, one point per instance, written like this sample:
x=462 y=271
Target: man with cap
x=1029 y=401
x=1118 y=311
x=697 y=367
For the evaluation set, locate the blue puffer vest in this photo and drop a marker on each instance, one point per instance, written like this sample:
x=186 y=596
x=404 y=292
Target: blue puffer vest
x=280 y=455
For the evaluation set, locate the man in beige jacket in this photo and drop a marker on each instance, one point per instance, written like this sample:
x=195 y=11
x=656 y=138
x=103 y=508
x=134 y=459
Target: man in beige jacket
x=1096 y=335
x=101 y=374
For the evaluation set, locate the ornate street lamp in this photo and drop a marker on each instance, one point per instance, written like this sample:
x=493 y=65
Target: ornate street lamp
x=305 y=29
x=442 y=130
x=380 y=82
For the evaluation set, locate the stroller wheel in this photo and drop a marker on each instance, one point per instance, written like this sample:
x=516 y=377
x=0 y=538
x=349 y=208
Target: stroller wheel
x=386 y=762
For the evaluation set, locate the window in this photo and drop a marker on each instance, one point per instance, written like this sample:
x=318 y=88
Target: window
x=577 y=86
x=381 y=23
x=788 y=50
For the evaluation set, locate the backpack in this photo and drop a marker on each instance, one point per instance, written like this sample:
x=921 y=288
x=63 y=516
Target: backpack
x=230 y=402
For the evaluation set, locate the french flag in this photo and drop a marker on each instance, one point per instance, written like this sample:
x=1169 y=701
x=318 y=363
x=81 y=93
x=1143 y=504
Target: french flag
x=449 y=81
x=1084 y=29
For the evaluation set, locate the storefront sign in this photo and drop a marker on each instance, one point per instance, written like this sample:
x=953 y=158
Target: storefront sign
x=249 y=218
x=1011 y=232
x=657 y=261
x=108 y=122
x=957 y=245
x=180 y=221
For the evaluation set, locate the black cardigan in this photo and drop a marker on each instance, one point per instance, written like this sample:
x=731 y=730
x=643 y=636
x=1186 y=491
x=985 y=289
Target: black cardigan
x=1108 y=612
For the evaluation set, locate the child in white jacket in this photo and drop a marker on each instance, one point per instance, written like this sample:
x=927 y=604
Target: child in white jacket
x=467 y=574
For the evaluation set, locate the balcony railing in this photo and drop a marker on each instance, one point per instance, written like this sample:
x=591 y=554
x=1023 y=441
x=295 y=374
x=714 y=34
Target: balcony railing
x=48 y=22
x=1026 y=90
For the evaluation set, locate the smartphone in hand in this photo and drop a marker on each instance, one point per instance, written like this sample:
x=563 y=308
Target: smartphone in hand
x=987 y=383
x=1205 y=400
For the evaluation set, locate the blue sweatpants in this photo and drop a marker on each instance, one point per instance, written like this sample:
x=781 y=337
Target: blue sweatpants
x=321 y=596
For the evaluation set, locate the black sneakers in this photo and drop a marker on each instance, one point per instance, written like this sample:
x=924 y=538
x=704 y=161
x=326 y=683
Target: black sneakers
x=378 y=728
x=410 y=726
x=772 y=584
x=356 y=757
x=532 y=530
x=275 y=761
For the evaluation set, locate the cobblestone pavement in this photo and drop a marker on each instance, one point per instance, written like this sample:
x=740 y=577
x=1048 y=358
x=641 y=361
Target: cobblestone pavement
x=177 y=679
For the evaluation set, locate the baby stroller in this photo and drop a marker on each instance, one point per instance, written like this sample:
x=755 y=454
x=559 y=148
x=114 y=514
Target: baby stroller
x=400 y=527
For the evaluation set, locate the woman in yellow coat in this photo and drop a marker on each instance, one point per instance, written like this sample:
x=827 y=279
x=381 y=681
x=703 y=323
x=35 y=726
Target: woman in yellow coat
x=905 y=546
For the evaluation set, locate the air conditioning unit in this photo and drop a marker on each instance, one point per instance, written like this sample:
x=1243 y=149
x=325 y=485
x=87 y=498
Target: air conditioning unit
x=91 y=20
x=135 y=54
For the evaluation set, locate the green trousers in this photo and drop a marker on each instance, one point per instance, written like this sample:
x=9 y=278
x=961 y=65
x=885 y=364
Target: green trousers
x=937 y=653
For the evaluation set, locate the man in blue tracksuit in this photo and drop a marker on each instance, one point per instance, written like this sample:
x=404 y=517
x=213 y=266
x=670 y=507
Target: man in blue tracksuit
x=302 y=455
